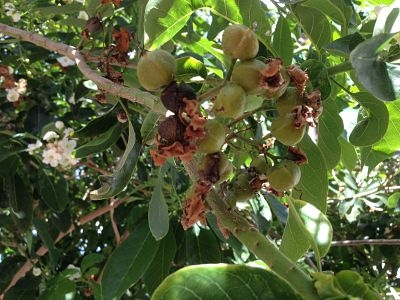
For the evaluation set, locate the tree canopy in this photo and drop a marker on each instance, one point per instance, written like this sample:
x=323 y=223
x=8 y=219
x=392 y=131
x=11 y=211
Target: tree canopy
x=233 y=149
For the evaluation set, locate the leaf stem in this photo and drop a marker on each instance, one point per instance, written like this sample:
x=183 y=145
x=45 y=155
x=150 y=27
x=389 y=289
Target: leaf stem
x=340 y=68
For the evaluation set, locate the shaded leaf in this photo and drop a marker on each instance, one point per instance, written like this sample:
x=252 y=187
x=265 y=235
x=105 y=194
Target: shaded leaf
x=282 y=41
x=307 y=226
x=348 y=154
x=128 y=262
x=60 y=287
x=60 y=9
x=53 y=189
x=319 y=77
x=371 y=128
x=223 y=281
x=313 y=185
x=8 y=267
x=189 y=67
x=24 y=288
x=371 y=158
x=202 y=246
x=370 y=70
x=337 y=10
x=158 y=211
x=99 y=125
x=344 y=45
x=42 y=228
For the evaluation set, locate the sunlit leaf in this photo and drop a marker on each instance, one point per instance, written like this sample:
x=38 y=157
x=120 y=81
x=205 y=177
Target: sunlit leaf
x=319 y=77
x=223 y=282
x=282 y=41
x=348 y=154
x=189 y=67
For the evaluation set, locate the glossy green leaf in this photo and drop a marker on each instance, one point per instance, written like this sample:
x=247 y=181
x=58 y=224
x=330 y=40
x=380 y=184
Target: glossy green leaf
x=53 y=189
x=282 y=41
x=370 y=70
x=100 y=143
x=373 y=127
x=98 y=125
x=319 y=77
x=344 y=45
x=391 y=141
x=221 y=281
x=306 y=226
x=115 y=183
x=371 y=158
x=330 y=126
x=91 y=260
x=394 y=200
x=158 y=211
x=42 y=229
x=348 y=154
x=337 y=10
x=20 y=199
x=60 y=9
x=159 y=268
x=149 y=126
x=315 y=24
x=313 y=185
x=189 y=67
x=128 y=262
x=60 y=287
x=202 y=246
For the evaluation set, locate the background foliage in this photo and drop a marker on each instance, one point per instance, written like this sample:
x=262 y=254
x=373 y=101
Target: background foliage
x=56 y=240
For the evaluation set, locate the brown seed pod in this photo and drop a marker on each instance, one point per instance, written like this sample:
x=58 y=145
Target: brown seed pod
x=171 y=130
x=93 y=25
x=215 y=167
x=172 y=96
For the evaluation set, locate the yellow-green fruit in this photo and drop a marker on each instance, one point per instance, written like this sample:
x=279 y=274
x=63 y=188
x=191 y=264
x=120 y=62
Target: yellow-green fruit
x=260 y=164
x=156 y=69
x=230 y=102
x=241 y=191
x=214 y=139
x=282 y=128
x=215 y=167
x=284 y=176
x=247 y=75
x=239 y=41
x=288 y=101
x=225 y=168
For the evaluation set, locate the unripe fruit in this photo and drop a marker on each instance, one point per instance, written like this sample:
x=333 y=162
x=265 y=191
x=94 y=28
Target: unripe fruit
x=283 y=129
x=214 y=139
x=284 y=176
x=230 y=102
x=239 y=41
x=156 y=69
x=260 y=164
x=242 y=190
x=247 y=75
x=288 y=101
x=215 y=167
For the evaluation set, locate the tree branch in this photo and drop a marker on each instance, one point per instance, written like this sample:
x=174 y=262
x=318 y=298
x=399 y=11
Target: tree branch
x=43 y=250
x=132 y=94
x=347 y=243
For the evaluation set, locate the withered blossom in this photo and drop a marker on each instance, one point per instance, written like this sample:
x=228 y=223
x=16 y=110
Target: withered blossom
x=299 y=77
x=271 y=79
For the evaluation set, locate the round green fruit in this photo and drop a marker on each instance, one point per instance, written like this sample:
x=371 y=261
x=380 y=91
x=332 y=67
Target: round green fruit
x=283 y=129
x=242 y=190
x=284 y=176
x=288 y=101
x=230 y=102
x=239 y=41
x=156 y=69
x=260 y=164
x=214 y=139
x=247 y=75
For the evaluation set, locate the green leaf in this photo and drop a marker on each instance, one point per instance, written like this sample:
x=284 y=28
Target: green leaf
x=60 y=9
x=370 y=70
x=373 y=127
x=391 y=141
x=313 y=185
x=388 y=21
x=128 y=262
x=330 y=126
x=53 y=189
x=306 y=226
x=99 y=125
x=202 y=246
x=189 y=67
x=337 y=10
x=344 y=45
x=42 y=228
x=24 y=288
x=100 y=143
x=9 y=266
x=60 y=287
x=371 y=158
x=319 y=77
x=158 y=211
x=348 y=154
x=90 y=261
x=159 y=268
x=315 y=24
x=394 y=200
x=149 y=126
x=115 y=183
x=223 y=281
x=282 y=41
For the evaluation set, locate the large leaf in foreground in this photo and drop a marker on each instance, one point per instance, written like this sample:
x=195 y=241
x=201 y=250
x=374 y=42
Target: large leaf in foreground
x=221 y=281
x=128 y=262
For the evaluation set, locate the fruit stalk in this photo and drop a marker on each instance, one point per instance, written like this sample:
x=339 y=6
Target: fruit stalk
x=260 y=245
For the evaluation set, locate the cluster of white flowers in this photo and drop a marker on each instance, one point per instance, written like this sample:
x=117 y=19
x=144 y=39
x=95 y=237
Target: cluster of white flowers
x=58 y=150
x=15 y=93
x=12 y=12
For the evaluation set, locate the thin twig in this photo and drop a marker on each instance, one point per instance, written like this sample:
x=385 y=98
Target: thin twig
x=346 y=243
x=114 y=224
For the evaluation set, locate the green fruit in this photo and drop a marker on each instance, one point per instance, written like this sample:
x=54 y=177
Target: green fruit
x=242 y=190
x=225 y=168
x=247 y=75
x=214 y=139
x=288 y=101
x=239 y=41
x=260 y=164
x=284 y=176
x=274 y=79
x=283 y=129
x=156 y=69
x=215 y=167
x=230 y=102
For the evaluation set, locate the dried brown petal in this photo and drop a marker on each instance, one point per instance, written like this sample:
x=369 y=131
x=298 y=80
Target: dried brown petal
x=271 y=78
x=171 y=130
x=297 y=155
x=298 y=76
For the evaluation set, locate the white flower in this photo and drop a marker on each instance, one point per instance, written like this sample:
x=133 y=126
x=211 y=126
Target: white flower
x=36 y=271
x=50 y=135
x=32 y=147
x=83 y=15
x=16 y=16
x=59 y=125
x=65 y=61
x=10 y=70
x=68 y=131
x=21 y=86
x=13 y=95
x=51 y=157
x=68 y=145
